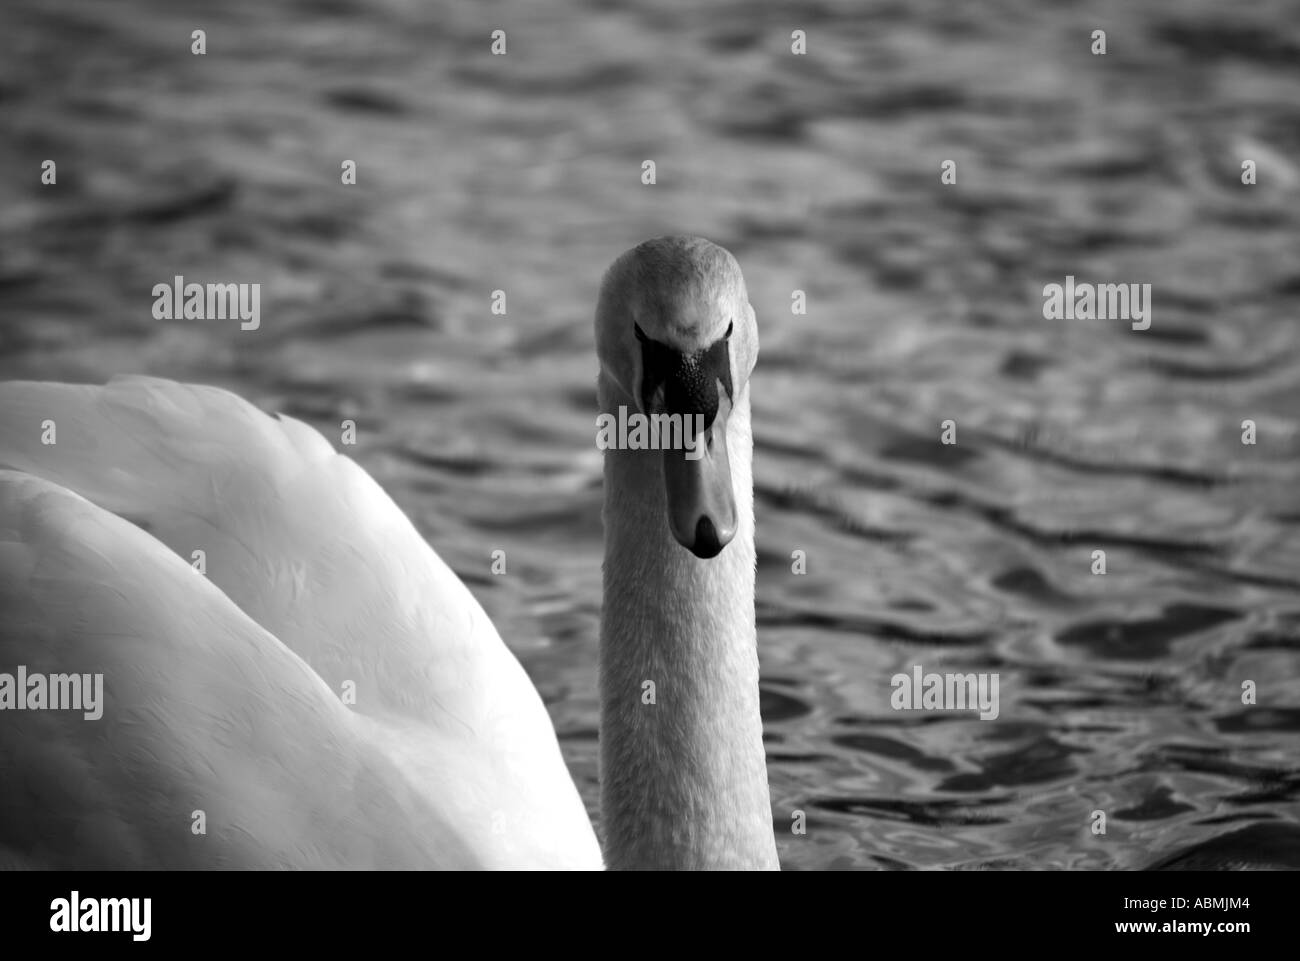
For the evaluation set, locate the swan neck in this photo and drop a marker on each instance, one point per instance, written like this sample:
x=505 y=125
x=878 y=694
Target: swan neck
x=683 y=768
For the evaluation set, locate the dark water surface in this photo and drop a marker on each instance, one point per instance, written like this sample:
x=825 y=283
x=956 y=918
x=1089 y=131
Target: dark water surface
x=1119 y=693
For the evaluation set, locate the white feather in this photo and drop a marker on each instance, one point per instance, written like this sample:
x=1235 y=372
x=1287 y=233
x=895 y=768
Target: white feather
x=223 y=691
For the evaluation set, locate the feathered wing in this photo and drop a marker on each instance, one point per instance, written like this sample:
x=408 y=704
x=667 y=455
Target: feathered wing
x=216 y=746
x=307 y=546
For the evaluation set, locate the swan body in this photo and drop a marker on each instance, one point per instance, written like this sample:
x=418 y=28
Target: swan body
x=225 y=739
x=223 y=690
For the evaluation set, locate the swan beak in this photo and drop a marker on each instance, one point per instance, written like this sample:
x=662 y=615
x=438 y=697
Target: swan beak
x=701 y=504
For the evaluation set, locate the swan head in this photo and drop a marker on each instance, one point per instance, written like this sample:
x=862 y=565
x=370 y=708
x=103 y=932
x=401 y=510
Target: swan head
x=676 y=335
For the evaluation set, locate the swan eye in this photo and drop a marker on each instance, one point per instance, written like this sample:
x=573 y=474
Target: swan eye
x=730 y=326
x=640 y=334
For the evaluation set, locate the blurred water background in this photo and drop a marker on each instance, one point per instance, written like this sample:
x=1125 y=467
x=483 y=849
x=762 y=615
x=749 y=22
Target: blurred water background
x=1119 y=693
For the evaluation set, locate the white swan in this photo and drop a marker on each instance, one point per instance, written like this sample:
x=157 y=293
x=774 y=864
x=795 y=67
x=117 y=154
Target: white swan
x=224 y=741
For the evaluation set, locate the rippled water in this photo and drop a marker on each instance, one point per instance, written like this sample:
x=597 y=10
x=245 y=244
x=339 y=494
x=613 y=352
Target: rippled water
x=1119 y=693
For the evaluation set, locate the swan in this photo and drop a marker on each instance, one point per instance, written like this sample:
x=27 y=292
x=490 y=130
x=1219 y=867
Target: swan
x=292 y=677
